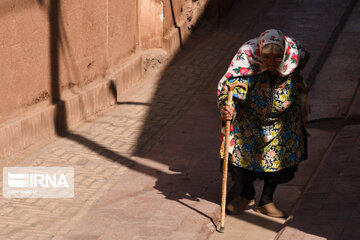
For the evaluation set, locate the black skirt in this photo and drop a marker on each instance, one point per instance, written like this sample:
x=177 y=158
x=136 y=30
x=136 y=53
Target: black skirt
x=282 y=176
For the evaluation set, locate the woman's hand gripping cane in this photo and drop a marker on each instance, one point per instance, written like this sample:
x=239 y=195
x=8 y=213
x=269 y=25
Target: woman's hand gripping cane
x=227 y=114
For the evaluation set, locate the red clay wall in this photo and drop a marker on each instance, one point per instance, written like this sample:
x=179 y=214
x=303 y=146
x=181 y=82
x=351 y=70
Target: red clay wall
x=123 y=29
x=93 y=35
x=68 y=50
x=24 y=54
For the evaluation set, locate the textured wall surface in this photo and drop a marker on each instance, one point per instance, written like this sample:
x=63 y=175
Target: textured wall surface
x=24 y=54
x=76 y=42
x=60 y=58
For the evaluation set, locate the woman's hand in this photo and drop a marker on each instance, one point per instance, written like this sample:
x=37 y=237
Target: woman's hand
x=227 y=113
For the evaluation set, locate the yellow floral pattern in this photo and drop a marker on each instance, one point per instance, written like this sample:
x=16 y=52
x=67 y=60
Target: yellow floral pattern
x=266 y=139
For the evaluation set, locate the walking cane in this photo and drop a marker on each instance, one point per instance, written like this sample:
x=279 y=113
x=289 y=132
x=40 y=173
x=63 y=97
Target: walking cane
x=226 y=154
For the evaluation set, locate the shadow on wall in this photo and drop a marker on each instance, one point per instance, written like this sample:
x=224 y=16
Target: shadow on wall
x=214 y=10
x=56 y=41
x=175 y=23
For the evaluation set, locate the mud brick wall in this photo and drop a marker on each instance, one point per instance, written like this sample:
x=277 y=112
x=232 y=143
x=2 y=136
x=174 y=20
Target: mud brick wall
x=69 y=53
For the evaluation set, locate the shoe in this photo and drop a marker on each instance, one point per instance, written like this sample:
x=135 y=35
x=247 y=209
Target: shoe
x=239 y=204
x=271 y=210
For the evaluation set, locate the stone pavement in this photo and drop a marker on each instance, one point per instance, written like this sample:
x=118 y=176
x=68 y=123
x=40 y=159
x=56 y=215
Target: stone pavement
x=147 y=168
x=329 y=206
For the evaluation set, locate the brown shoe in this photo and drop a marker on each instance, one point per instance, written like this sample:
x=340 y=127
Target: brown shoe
x=271 y=210
x=239 y=204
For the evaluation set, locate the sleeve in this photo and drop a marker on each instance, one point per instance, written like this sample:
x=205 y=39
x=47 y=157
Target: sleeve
x=239 y=94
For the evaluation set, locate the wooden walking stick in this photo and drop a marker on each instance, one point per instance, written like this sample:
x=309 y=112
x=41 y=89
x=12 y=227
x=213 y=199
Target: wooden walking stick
x=226 y=153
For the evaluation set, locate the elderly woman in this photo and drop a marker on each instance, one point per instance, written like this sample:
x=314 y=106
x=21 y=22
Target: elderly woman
x=267 y=135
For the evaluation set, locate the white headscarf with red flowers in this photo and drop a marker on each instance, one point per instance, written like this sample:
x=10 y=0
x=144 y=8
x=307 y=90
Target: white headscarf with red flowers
x=247 y=61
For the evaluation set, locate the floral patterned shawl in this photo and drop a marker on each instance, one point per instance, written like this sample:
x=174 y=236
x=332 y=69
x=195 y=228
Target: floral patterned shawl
x=247 y=60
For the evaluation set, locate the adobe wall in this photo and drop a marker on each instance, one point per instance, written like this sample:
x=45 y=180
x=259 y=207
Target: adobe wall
x=71 y=53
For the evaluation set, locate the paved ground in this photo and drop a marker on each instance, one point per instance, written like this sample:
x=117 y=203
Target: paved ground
x=330 y=208
x=147 y=168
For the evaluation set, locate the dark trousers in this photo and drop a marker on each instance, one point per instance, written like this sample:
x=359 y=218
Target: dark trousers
x=243 y=181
